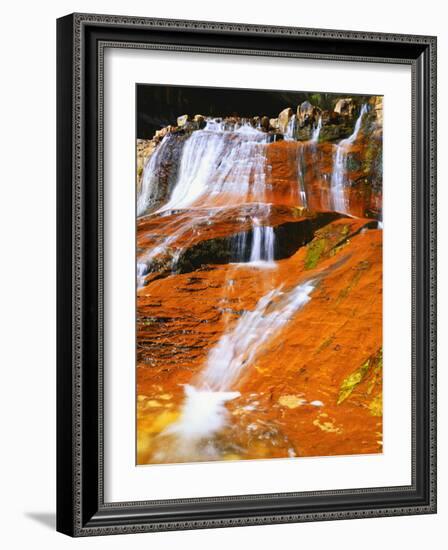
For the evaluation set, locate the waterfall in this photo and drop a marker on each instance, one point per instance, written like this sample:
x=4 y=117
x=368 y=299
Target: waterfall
x=301 y=175
x=150 y=179
x=142 y=270
x=263 y=244
x=316 y=131
x=238 y=348
x=203 y=412
x=256 y=246
x=339 y=174
x=239 y=247
x=221 y=160
x=290 y=133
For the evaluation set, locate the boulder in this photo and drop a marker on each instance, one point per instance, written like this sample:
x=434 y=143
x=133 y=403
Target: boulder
x=145 y=148
x=160 y=134
x=346 y=107
x=265 y=122
x=330 y=117
x=307 y=114
x=377 y=104
x=198 y=118
x=283 y=119
x=273 y=124
x=182 y=120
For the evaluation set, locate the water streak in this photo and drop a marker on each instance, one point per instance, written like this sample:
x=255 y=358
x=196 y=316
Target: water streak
x=339 y=174
x=238 y=348
x=151 y=176
x=220 y=160
x=203 y=413
x=290 y=133
x=316 y=131
x=263 y=244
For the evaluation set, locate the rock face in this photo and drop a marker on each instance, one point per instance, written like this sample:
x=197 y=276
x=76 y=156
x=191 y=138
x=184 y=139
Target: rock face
x=259 y=303
x=182 y=120
x=307 y=114
x=345 y=107
x=145 y=148
x=283 y=119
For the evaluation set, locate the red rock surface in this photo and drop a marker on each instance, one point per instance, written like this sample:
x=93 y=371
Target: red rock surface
x=181 y=317
x=314 y=385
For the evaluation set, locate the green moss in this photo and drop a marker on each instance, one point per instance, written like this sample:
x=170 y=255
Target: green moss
x=314 y=251
x=376 y=406
x=371 y=367
x=377 y=372
x=353 y=163
x=325 y=244
x=352 y=381
x=324 y=344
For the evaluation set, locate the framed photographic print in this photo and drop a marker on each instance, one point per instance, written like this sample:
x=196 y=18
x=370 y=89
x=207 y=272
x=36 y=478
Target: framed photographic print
x=246 y=274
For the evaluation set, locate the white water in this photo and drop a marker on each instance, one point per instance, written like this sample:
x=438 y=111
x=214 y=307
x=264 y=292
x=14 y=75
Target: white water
x=150 y=178
x=316 y=132
x=290 y=133
x=263 y=244
x=339 y=174
x=239 y=347
x=301 y=176
x=262 y=249
x=218 y=160
x=142 y=270
x=203 y=412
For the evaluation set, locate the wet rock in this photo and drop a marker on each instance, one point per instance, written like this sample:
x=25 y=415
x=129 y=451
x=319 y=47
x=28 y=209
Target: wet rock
x=318 y=349
x=265 y=123
x=377 y=107
x=289 y=237
x=199 y=119
x=307 y=114
x=182 y=120
x=346 y=107
x=330 y=117
x=166 y=168
x=145 y=148
x=274 y=124
x=283 y=119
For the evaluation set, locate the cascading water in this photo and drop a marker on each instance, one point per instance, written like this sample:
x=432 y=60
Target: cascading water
x=261 y=252
x=151 y=174
x=316 y=132
x=263 y=244
x=301 y=175
x=238 y=348
x=220 y=161
x=290 y=133
x=218 y=207
x=339 y=174
x=203 y=413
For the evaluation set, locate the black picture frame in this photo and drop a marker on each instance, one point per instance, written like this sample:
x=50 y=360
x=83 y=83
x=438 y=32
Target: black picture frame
x=81 y=39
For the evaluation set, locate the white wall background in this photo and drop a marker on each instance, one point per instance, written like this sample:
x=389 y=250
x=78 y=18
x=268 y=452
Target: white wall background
x=27 y=287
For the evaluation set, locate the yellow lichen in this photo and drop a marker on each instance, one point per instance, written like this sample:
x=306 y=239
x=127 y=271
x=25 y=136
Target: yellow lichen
x=165 y=396
x=327 y=425
x=376 y=406
x=352 y=380
x=291 y=401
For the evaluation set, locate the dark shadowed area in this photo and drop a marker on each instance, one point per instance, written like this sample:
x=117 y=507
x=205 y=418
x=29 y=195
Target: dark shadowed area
x=160 y=105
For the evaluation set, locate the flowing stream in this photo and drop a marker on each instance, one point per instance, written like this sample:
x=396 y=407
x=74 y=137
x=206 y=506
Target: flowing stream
x=230 y=160
x=218 y=161
x=203 y=412
x=339 y=174
x=224 y=175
